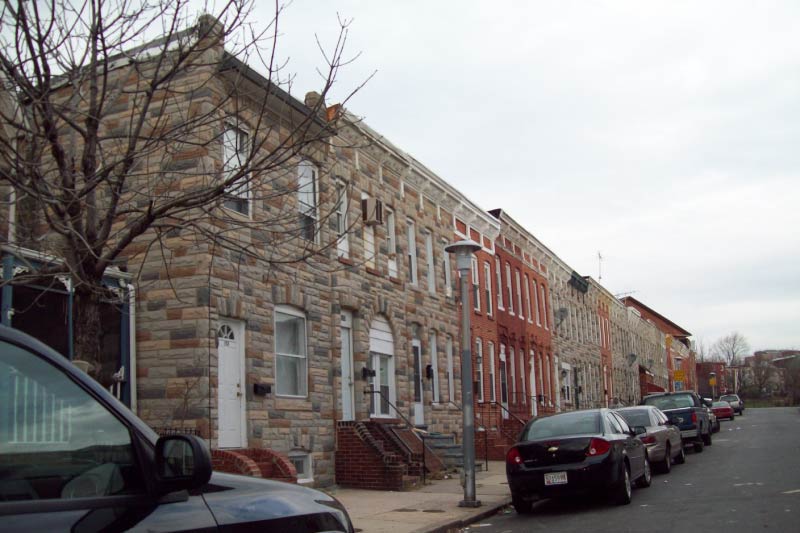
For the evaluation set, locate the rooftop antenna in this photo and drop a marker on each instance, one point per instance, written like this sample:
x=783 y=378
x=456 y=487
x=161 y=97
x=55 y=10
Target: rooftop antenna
x=599 y=265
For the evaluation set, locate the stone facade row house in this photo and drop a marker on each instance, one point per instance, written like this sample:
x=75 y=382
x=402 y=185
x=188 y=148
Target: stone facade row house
x=322 y=360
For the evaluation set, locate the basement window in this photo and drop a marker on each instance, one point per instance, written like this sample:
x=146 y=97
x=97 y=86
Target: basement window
x=302 y=463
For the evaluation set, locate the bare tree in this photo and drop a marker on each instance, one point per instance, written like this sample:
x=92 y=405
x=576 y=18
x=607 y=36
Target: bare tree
x=129 y=127
x=731 y=349
x=701 y=350
x=762 y=370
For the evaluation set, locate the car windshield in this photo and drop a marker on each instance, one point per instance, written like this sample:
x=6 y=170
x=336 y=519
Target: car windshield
x=564 y=424
x=672 y=401
x=721 y=404
x=638 y=417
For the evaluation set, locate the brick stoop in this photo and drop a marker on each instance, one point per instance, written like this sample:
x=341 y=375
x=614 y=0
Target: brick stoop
x=254 y=462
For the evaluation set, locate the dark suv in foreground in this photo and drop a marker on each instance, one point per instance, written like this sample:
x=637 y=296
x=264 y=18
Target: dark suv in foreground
x=72 y=458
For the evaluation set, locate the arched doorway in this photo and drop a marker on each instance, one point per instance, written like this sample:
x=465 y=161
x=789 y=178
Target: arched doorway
x=382 y=361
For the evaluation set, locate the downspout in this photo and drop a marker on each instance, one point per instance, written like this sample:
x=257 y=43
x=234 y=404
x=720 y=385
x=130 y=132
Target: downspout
x=132 y=343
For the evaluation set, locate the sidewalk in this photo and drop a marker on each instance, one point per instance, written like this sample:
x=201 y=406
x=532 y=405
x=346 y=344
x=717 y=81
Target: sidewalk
x=428 y=509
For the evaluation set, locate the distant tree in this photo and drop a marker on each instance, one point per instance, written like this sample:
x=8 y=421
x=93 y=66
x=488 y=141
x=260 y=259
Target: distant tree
x=730 y=349
x=792 y=380
x=762 y=370
x=701 y=350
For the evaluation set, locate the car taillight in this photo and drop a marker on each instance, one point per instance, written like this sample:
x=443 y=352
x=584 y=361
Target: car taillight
x=694 y=418
x=597 y=447
x=513 y=457
x=648 y=439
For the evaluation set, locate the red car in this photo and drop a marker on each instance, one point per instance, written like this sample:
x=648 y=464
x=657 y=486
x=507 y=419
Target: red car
x=722 y=410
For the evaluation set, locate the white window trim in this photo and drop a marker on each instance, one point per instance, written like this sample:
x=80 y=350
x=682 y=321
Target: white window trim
x=291 y=311
x=544 y=306
x=487 y=276
x=411 y=238
x=430 y=261
x=509 y=290
x=343 y=237
x=513 y=373
x=451 y=389
x=522 y=376
x=391 y=242
x=448 y=280
x=519 y=294
x=311 y=211
x=499 y=276
x=528 y=299
x=476 y=285
x=536 y=302
x=233 y=124
x=435 y=366
x=479 y=367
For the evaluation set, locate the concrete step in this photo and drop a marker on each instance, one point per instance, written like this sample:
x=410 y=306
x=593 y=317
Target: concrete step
x=411 y=482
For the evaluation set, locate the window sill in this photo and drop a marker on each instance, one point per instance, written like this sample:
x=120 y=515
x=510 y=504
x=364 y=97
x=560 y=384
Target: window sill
x=395 y=280
x=346 y=261
x=373 y=271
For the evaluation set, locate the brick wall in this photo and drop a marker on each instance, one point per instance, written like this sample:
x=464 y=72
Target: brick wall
x=361 y=464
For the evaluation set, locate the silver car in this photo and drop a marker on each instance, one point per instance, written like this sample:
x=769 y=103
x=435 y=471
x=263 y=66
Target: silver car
x=663 y=440
x=735 y=401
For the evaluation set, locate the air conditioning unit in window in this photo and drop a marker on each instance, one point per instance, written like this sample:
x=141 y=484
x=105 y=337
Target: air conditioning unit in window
x=372 y=211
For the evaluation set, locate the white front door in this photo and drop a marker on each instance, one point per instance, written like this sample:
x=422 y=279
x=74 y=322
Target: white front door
x=348 y=406
x=230 y=370
x=419 y=408
x=381 y=349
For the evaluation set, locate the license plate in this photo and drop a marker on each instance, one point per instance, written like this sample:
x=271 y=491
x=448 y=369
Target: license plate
x=555 y=478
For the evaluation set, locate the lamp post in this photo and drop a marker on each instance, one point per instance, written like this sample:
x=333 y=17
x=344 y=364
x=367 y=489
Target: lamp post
x=463 y=251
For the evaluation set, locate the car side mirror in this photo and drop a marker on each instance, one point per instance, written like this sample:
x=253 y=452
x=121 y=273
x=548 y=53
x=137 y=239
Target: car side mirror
x=638 y=430
x=183 y=462
x=707 y=403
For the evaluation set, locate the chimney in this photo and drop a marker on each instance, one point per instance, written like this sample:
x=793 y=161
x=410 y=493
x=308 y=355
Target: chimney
x=313 y=99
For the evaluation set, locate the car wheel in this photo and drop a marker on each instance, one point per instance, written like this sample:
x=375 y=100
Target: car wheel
x=681 y=457
x=622 y=491
x=521 y=505
x=647 y=476
x=731 y=418
x=707 y=438
x=666 y=465
x=698 y=446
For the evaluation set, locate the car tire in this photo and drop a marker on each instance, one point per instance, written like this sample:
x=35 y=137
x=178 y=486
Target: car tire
x=521 y=505
x=666 y=465
x=621 y=492
x=681 y=457
x=646 y=478
x=707 y=439
x=698 y=446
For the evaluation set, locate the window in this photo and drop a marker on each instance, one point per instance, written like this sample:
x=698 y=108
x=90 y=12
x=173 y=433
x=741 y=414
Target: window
x=499 y=283
x=302 y=463
x=448 y=281
x=56 y=440
x=391 y=242
x=307 y=195
x=476 y=288
x=522 y=375
x=451 y=387
x=544 y=307
x=487 y=278
x=509 y=291
x=513 y=374
x=528 y=299
x=290 y=352
x=369 y=246
x=234 y=157
x=435 y=367
x=411 y=233
x=492 y=391
x=343 y=243
x=519 y=295
x=566 y=388
x=479 y=367
x=431 y=262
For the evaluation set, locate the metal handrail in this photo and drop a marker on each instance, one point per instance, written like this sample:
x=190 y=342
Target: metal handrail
x=396 y=410
x=503 y=407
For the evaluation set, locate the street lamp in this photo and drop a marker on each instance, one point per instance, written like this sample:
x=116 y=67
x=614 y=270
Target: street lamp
x=463 y=251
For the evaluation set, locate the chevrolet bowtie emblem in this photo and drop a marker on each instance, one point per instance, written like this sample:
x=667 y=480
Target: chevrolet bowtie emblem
x=552 y=449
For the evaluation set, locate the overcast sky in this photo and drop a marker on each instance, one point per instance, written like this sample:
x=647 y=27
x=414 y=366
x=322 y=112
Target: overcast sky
x=664 y=135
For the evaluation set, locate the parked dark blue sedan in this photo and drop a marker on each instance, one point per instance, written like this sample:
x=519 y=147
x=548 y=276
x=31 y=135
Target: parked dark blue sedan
x=580 y=452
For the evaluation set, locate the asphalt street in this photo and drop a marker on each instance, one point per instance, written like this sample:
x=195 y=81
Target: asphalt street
x=748 y=480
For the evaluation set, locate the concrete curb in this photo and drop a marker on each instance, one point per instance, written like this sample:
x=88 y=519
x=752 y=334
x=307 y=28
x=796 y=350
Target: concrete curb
x=464 y=522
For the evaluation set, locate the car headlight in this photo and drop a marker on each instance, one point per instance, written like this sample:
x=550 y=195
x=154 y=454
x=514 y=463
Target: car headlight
x=341 y=512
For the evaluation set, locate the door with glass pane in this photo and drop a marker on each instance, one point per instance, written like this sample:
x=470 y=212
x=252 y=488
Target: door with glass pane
x=381 y=361
x=348 y=407
x=230 y=406
x=419 y=407
x=503 y=382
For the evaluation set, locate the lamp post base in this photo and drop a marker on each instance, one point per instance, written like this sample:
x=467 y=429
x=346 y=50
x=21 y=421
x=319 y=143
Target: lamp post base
x=469 y=503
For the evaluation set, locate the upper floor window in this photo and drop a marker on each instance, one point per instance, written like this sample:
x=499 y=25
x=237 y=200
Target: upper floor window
x=544 y=307
x=499 y=275
x=528 y=298
x=509 y=290
x=290 y=352
x=343 y=242
x=234 y=157
x=411 y=235
x=308 y=196
x=479 y=368
x=487 y=278
x=476 y=288
x=536 y=303
x=519 y=294
x=430 y=261
x=448 y=281
x=391 y=242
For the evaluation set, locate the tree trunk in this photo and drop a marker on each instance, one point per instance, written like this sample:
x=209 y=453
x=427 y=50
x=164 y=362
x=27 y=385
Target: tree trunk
x=87 y=329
